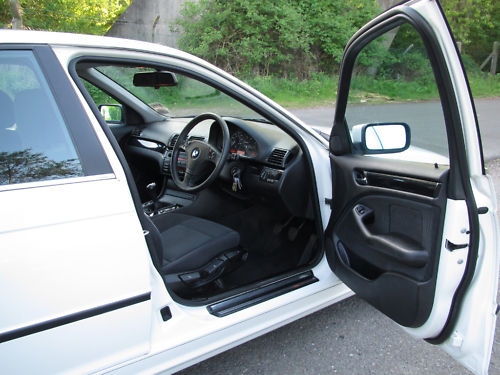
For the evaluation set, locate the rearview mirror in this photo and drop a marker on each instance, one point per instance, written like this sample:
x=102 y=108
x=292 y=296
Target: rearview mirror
x=155 y=79
x=381 y=138
x=112 y=113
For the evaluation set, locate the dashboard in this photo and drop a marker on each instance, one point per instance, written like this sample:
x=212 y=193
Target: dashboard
x=271 y=162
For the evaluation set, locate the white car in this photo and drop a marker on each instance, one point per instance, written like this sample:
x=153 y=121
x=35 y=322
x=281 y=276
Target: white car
x=157 y=211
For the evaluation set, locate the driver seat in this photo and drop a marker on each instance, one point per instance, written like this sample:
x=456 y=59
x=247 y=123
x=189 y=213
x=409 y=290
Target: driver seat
x=192 y=252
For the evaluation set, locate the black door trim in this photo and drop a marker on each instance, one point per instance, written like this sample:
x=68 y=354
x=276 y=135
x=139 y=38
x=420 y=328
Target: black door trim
x=72 y=318
x=261 y=294
x=84 y=138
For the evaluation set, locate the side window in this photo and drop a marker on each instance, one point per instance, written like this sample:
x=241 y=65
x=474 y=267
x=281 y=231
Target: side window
x=34 y=142
x=393 y=83
x=98 y=96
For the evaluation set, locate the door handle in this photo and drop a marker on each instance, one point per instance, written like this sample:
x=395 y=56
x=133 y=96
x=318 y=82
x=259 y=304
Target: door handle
x=361 y=177
x=389 y=245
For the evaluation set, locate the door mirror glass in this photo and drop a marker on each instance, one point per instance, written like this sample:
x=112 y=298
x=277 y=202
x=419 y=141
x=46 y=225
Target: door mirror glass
x=381 y=138
x=112 y=113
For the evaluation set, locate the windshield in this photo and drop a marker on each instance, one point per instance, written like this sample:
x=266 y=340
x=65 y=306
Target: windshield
x=189 y=97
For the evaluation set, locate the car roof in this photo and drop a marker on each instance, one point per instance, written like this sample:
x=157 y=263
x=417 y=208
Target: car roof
x=84 y=40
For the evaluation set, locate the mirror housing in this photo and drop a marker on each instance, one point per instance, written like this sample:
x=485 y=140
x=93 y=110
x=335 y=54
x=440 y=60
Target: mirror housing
x=155 y=79
x=381 y=138
x=112 y=113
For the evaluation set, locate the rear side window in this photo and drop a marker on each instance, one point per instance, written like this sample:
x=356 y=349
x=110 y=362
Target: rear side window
x=35 y=144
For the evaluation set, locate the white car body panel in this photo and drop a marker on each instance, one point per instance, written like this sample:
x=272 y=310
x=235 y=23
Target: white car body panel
x=472 y=341
x=58 y=233
x=121 y=265
x=193 y=335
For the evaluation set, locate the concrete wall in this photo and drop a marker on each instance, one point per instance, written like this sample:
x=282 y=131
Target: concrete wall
x=138 y=20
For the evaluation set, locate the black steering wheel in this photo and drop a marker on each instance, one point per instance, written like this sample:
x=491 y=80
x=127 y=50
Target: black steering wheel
x=200 y=156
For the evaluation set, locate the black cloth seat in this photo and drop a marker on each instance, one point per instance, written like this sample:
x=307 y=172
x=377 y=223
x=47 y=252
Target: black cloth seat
x=188 y=242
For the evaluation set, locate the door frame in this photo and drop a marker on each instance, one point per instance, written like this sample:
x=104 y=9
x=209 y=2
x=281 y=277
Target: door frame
x=459 y=186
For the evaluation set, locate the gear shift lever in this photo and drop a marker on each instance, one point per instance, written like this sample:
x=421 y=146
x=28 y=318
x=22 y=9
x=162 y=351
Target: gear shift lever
x=151 y=189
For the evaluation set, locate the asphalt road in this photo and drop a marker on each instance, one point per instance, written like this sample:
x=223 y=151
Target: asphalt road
x=351 y=337
x=424 y=118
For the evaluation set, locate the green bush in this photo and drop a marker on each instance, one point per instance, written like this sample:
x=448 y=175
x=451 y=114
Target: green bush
x=289 y=38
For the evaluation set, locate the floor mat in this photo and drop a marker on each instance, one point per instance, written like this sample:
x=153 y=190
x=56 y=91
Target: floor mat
x=269 y=253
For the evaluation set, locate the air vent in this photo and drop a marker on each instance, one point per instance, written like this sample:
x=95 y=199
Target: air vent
x=174 y=138
x=136 y=132
x=277 y=157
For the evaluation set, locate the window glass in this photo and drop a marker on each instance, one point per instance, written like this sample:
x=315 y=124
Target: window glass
x=98 y=96
x=34 y=142
x=389 y=73
x=189 y=97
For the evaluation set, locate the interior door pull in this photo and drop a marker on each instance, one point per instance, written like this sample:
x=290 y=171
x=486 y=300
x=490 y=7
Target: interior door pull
x=452 y=247
x=360 y=177
x=390 y=245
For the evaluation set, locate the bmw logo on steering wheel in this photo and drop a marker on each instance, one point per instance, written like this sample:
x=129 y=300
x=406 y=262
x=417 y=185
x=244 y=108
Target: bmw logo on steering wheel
x=195 y=153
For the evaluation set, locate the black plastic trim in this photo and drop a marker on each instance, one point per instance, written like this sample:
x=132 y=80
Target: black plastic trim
x=72 y=318
x=90 y=151
x=166 y=313
x=261 y=294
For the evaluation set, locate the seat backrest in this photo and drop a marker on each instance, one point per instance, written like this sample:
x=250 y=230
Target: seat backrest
x=7 y=117
x=9 y=139
x=41 y=126
x=153 y=239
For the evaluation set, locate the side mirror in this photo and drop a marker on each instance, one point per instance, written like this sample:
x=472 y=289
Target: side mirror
x=381 y=138
x=112 y=113
x=155 y=79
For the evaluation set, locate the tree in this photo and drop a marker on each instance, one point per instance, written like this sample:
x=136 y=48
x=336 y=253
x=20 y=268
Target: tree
x=25 y=166
x=15 y=9
x=475 y=23
x=330 y=24
x=289 y=37
x=251 y=37
x=79 y=16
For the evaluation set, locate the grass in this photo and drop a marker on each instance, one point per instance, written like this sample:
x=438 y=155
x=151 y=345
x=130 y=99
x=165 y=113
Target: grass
x=321 y=89
x=484 y=85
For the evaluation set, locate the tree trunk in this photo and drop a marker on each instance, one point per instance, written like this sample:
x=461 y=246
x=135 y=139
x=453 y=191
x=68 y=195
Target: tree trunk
x=17 y=18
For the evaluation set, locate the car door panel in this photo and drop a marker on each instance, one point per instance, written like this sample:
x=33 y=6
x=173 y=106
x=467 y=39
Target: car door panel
x=74 y=265
x=417 y=240
x=387 y=238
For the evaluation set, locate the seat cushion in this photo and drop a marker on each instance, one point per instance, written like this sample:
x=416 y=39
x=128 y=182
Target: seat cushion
x=190 y=242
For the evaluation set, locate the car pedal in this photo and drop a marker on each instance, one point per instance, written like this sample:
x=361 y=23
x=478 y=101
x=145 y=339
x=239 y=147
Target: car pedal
x=293 y=232
x=219 y=283
x=278 y=228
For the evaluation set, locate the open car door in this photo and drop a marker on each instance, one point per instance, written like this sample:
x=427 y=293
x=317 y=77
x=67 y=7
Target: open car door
x=413 y=228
